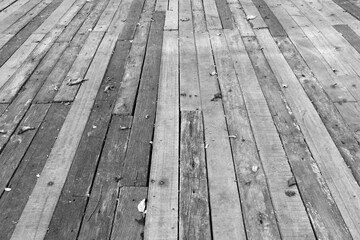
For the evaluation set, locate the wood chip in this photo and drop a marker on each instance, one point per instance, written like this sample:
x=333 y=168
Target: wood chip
x=232 y=136
x=25 y=129
x=108 y=88
x=124 y=128
x=2 y=131
x=213 y=73
x=7 y=189
x=291 y=182
x=142 y=206
x=184 y=19
x=254 y=168
x=76 y=81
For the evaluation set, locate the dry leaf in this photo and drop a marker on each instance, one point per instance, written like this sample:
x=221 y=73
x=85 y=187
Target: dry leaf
x=25 y=129
x=142 y=206
x=76 y=81
x=250 y=17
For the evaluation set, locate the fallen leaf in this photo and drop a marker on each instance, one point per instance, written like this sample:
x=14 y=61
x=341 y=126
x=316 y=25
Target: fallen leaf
x=232 y=136
x=123 y=128
x=108 y=88
x=285 y=86
x=250 y=17
x=254 y=168
x=216 y=96
x=142 y=206
x=7 y=189
x=25 y=129
x=290 y=193
x=213 y=73
x=184 y=19
x=2 y=131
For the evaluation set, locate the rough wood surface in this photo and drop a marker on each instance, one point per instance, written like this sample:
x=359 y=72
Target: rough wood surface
x=194 y=217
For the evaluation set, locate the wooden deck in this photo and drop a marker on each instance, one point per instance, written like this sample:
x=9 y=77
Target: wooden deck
x=234 y=119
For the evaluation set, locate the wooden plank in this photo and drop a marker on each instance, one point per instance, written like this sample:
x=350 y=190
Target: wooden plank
x=313 y=58
x=198 y=15
x=8 y=50
x=271 y=21
x=250 y=10
x=83 y=33
x=224 y=14
x=161 y=5
x=211 y=15
x=189 y=82
x=16 y=81
x=11 y=9
x=226 y=214
x=16 y=15
x=349 y=7
x=132 y=20
x=339 y=178
x=136 y=166
x=107 y=16
x=114 y=72
x=258 y=212
x=349 y=35
x=321 y=207
x=10 y=159
x=134 y=63
x=5 y=4
x=273 y=157
x=194 y=215
x=71 y=30
x=68 y=215
x=18 y=58
x=24 y=20
x=172 y=16
x=128 y=221
x=22 y=183
x=4 y=38
x=350 y=111
x=58 y=13
x=162 y=208
x=79 y=67
x=36 y=217
x=100 y=210
x=240 y=18
x=51 y=86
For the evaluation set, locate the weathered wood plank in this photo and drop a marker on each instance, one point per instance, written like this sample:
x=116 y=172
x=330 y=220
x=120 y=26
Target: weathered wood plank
x=172 y=16
x=11 y=8
x=211 y=15
x=5 y=4
x=339 y=178
x=271 y=21
x=68 y=215
x=128 y=221
x=224 y=14
x=350 y=111
x=325 y=216
x=240 y=18
x=4 y=38
x=349 y=35
x=250 y=10
x=24 y=20
x=100 y=210
x=258 y=211
x=136 y=166
x=25 y=177
x=36 y=217
x=162 y=209
x=51 y=86
x=132 y=20
x=349 y=7
x=15 y=149
x=127 y=90
x=194 y=215
x=8 y=50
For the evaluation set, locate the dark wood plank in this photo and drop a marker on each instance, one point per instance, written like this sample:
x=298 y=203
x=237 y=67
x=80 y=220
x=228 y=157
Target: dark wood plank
x=194 y=222
x=224 y=14
x=100 y=210
x=69 y=211
x=339 y=131
x=349 y=7
x=349 y=35
x=132 y=20
x=22 y=183
x=77 y=22
x=53 y=82
x=271 y=21
x=136 y=165
x=114 y=73
x=15 y=149
x=313 y=189
x=7 y=50
x=129 y=222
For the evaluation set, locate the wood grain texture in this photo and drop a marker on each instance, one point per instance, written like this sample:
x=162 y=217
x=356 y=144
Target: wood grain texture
x=325 y=216
x=23 y=181
x=194 y=215
x=100 y=210
x=162 y=209
x=128 y=221
x=136 y=167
